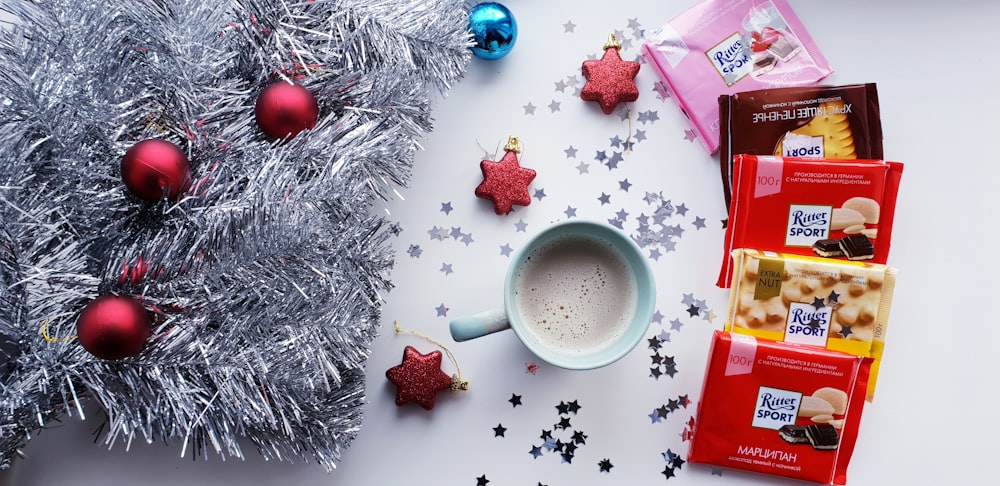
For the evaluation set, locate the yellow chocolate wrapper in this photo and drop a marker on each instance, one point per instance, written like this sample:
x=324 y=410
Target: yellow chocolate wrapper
x=835 y=304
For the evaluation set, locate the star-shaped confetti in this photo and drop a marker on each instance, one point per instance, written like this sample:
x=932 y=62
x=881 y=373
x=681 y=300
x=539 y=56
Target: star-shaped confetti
x=605 y=465
x=562 y=408
x=442 y=310
x=573 y=407
x=418 y=378
x=611 y=80
x=506 y=182
x=482 y=481
x=515 y=400
x=499 y=430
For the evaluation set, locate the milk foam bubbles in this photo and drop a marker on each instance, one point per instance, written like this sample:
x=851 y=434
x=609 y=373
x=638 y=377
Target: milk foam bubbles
x=576 y=294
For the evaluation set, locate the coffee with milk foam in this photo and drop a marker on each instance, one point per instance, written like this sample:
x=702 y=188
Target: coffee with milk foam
x=576 y=294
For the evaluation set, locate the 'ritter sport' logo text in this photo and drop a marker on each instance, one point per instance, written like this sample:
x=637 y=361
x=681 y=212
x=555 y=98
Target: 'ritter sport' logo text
x=808 y=324
x=775 y=407
x=806 y=224
x=730 y=58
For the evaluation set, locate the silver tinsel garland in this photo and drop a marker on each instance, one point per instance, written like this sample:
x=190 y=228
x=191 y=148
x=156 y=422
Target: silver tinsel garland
x=265 y=279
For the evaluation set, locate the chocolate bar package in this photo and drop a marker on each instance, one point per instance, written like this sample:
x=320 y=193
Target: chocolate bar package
x=822 y=122
x=835 y=304
x=725 y=46
x=779 y=408
x=841 y=209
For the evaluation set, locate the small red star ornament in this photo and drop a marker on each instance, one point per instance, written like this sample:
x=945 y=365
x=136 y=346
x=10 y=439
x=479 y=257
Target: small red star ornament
x=610 y=81
x=506 y=182
x=418 y=378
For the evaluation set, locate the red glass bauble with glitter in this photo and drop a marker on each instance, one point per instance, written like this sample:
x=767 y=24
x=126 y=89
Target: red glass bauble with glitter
x=153 y=169
x=284 y=109
x=113 y=327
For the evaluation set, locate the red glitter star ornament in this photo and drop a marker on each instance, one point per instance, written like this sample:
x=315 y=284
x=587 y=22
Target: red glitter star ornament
x=610 y=81
x=506 y=182
x=418 y=378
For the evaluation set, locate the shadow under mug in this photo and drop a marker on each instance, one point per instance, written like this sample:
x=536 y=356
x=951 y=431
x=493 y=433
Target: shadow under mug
x=612 y=267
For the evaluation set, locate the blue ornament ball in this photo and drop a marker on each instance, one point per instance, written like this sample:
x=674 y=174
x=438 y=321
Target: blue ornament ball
x=493 y=28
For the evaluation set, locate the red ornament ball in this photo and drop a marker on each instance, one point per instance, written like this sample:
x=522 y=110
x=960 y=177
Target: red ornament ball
x=113 y=327
x=284 y=109
x=153 y=169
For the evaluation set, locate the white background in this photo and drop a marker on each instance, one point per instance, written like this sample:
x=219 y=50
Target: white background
x=934 y=420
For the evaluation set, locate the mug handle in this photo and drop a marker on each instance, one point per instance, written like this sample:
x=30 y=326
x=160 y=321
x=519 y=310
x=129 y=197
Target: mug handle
x=478 y=325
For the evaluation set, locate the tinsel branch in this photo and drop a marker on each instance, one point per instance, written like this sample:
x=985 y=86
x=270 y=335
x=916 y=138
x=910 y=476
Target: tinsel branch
x=265 y=278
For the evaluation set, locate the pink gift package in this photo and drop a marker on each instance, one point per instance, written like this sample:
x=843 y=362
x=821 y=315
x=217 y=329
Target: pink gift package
x=722 y=47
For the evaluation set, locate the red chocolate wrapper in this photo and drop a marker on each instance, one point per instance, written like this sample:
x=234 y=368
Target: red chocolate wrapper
x=780 y=409
x=814 y=207
x=823 y=122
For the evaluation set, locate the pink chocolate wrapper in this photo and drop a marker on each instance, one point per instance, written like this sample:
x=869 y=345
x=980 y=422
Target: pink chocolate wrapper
x=722 y=47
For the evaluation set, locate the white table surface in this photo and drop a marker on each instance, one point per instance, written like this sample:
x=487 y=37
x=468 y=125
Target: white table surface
x=934 y=420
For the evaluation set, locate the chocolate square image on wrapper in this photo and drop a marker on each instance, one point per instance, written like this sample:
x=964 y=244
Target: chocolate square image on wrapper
x=822 y=436
x=857 y=247
x=793 y=434
x=827 y=248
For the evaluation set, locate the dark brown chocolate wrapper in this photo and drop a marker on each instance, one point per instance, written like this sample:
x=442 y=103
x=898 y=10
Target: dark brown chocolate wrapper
x=740 y=135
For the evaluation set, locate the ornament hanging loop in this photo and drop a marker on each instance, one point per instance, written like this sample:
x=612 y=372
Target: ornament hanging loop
x=612 y=42
x=513 y=145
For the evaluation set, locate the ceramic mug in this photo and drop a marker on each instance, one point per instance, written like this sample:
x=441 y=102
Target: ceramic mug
x=579 y=295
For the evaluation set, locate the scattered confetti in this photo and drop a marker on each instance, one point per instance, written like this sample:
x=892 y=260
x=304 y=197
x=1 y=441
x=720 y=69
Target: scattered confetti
x=441 y=310
x=515 y=400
